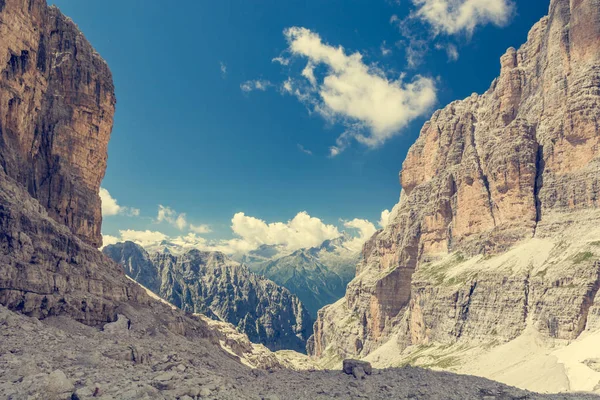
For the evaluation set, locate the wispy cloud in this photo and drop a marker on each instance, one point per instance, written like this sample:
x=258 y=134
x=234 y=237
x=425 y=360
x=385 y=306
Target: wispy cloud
x=223 y=68
x=385 y=50
x=258 y=84
x=450 y=49
x=304 y=150
x=179 y=220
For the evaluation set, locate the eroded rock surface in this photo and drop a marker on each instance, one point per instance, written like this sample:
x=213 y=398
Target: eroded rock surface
x=212 y=284
x=56 y=113
x=510 y=175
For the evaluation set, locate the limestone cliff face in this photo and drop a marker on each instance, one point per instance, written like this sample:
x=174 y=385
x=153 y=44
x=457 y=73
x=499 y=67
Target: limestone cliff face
x=486 y=175
x=56 y=113
x=211 y=284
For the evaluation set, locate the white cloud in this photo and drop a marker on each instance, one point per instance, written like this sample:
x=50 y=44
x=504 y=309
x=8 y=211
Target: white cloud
x=300 y=232
x=167 y=214
x=304 y=150
x=108 y=240
x=223 y=68
x=372 y=107
x=258 y=84
x=179 y=220
x=303 y=231
x=143 y=238
x=365 y=230
x=450 y=49
x=200 y=229
x=110 y=206
x=281 y=60
x=385 y=217
x=455 y=16
x=385 y=51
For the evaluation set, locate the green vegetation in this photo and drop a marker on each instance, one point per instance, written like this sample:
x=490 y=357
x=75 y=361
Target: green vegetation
x=437 y=272
x=582 y=257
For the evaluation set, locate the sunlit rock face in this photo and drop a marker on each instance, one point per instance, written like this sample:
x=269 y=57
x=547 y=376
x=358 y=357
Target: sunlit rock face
x=56 y=113
x=210 y=283
x=487 y=176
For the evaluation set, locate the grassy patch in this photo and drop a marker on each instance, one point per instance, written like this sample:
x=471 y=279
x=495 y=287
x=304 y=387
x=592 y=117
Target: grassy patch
x=437 y=272
x=582 y=257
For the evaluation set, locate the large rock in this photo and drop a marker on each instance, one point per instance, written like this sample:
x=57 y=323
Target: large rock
x=486 y=175
x=56 y=113
x=212 y=284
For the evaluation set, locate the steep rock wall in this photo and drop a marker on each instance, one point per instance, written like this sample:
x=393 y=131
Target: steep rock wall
x=486 y=174
x=56 y=113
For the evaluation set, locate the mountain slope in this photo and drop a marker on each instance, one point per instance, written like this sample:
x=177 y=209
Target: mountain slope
x=496 y=228
x=211 y=284
x=318 y=275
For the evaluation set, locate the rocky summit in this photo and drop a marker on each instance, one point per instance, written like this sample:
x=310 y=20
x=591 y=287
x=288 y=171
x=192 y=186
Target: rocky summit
x=212 y=284
x=496 y=233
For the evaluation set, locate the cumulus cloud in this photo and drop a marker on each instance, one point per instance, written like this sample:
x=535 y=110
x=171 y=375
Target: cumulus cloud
x=257 y=84
x=110 y=206
x=365 y=230
x=167 y=214
x=372 y=106
x=108 y=240
x=385 y=216
x=143 y=238
x=455 y=16
x=200 y=229
x=300 y=232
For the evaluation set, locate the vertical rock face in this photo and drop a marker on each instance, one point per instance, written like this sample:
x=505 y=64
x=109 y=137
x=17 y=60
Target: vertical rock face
x=211 y=284
x=488 y=174
x=56 y=113
x=56 y=110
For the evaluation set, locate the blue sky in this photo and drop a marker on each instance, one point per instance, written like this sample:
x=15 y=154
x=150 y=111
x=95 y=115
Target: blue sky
x=187 y=135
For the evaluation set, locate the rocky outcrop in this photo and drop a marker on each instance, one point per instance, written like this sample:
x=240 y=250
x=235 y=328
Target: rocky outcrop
x=56 y=113
x=318 y=275
x=495 y=229
x=211 y=284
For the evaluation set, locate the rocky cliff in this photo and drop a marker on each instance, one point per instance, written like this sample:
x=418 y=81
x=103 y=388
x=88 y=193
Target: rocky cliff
x=56 y=108
x=56 y=113
x=211 y=284
x=496 y=228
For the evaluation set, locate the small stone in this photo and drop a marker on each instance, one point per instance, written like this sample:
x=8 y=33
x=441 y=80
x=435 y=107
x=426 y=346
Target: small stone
x=204 y=392
x=164 y=376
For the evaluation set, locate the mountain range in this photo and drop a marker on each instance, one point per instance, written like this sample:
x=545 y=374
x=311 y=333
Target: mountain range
x=489 y=265
x=210 y=283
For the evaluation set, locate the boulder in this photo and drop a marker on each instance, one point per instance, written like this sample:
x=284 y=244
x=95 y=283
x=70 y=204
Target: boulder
x=359 y=369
